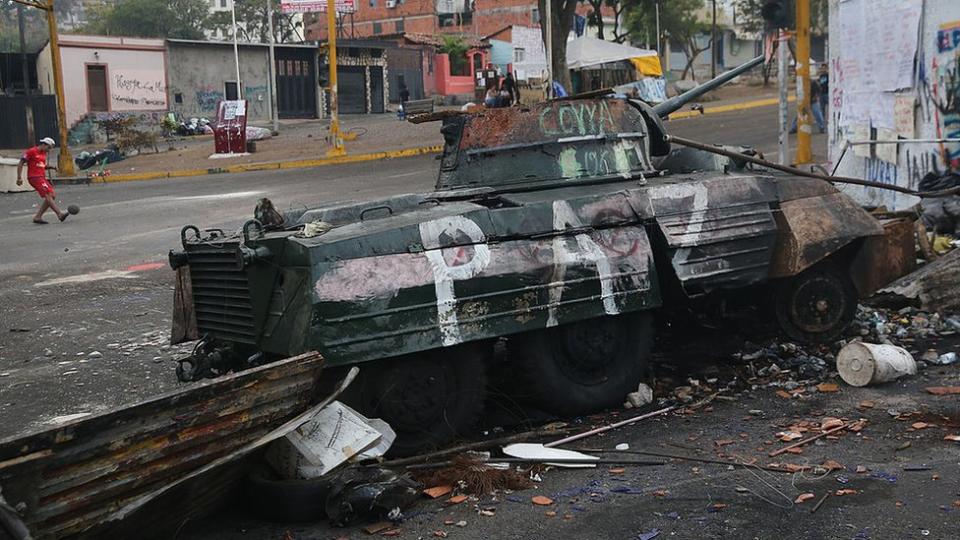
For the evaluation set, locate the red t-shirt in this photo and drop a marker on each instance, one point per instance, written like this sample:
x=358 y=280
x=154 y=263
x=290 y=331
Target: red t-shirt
x=36 y=160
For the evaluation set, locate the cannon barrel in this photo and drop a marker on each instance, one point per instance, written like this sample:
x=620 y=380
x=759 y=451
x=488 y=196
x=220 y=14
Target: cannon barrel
x=674 y=103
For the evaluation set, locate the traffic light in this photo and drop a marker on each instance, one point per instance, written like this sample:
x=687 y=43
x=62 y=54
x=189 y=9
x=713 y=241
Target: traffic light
x=778 y=13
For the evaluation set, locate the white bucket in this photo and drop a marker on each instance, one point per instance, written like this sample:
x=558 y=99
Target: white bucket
x=861 y=364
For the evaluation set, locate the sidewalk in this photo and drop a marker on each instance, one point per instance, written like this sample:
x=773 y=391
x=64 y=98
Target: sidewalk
x=302 y=143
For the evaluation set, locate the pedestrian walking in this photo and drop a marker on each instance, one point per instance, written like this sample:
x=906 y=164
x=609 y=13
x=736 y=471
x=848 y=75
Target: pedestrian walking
x=35 y=158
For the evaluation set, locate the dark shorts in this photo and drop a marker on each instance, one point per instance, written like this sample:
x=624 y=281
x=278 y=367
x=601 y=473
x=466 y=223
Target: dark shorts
x=42 y=185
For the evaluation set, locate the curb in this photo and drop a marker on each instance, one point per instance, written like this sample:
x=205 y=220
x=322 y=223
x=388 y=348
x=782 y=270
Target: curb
x=730 y=108
x=250 y=167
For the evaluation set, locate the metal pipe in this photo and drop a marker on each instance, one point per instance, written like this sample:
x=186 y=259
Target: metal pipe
x=783 y=141
x=800 y=172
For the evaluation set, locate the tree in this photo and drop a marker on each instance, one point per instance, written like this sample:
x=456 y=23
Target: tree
x=180 y=19
x=562 y=12
x=253 y=24
x=595 y=18
x=679 y=21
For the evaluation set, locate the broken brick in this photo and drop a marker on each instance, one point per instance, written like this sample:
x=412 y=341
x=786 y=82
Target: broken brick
x=540 y=500
x=803 y=497
x=437 y=492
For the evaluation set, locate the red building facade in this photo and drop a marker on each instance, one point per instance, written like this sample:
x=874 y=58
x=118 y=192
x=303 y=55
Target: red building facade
x=384 y=17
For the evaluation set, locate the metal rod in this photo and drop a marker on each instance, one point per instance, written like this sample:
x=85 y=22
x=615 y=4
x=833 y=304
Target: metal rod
x=616 y=425
x=783 y=140
x=820 y=502
x=562 y=461
x=681 y=457
x=800 y=172
x=904 y=141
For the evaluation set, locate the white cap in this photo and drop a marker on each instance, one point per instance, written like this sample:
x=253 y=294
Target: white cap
x=48 y=141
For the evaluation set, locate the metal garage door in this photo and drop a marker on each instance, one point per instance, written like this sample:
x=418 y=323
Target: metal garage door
x=351 y=90
x=406 y=66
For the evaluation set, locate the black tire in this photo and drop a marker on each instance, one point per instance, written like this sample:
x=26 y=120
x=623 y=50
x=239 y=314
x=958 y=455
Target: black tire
x=287 y=501
x=816 y=305
x=428 y=398
x=584 y=367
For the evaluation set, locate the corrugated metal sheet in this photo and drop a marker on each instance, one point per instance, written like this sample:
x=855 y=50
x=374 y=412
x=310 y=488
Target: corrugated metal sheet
x=73 y=477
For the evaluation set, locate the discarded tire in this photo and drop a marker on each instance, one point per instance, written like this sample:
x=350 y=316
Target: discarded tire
x=286 y=501
x=584 y=367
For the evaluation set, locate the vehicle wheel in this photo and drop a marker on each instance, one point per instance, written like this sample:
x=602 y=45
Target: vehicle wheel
x=428 y=398
x=816 y=305
x=583 y=367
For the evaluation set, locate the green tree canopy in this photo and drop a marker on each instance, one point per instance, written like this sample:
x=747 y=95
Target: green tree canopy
x=182 y=19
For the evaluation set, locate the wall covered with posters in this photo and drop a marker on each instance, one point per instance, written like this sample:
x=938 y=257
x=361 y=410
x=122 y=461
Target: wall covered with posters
x=894 y=76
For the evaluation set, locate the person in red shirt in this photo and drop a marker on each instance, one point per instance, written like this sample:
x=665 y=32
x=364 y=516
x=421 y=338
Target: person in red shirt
x=35 y=159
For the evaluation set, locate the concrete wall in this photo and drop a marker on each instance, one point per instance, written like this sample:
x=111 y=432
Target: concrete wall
x=136 y=73
x=198 y=72
x=933 y=102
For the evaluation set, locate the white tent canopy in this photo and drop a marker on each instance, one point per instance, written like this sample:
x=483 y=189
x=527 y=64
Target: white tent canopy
x=589 y=51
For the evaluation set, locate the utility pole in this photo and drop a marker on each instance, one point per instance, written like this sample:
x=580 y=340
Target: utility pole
x=64 y=159
x=272 y=71
x=335 y=135
x=236 y=52
x=783 y=141
x=548 y=43
x=804 y=154
x=713 y=43
x=25 y=70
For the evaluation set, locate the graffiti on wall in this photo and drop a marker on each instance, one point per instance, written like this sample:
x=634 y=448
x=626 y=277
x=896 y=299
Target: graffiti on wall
x=207 y=99
x=129 y=91
x=944 y=93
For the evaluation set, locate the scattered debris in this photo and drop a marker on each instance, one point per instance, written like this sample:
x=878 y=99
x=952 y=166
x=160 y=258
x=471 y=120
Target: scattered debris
x=540 y=500
x=810 y=439
x=820 y=502
x=473 y=477
x=954 y=438
x=846 y=491
x=438 y=491
x=943 y=390
x=457 y=499
x=643 y=396
x=803 y=497
x=649 y=535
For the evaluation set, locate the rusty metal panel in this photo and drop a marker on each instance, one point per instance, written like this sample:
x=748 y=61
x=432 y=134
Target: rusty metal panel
x=72 y=477
x=882 y=259
x=813 y=228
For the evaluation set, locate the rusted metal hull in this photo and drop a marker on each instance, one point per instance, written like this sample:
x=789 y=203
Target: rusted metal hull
x=74 y=477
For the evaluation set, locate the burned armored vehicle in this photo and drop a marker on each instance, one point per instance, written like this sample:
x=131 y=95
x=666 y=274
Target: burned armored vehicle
x=565 y=228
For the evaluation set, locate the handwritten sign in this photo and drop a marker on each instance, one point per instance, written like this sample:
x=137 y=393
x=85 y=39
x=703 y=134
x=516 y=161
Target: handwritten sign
x=903 y=116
